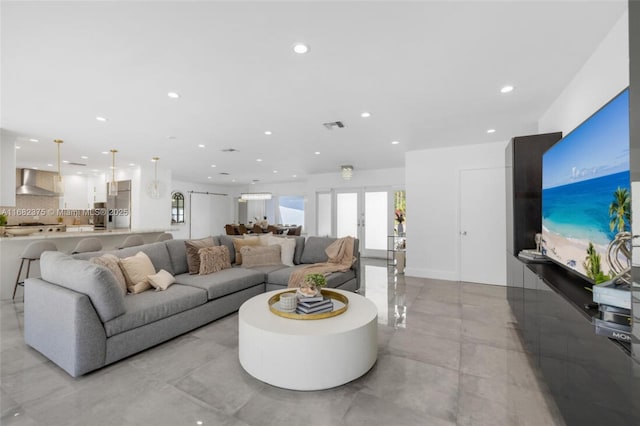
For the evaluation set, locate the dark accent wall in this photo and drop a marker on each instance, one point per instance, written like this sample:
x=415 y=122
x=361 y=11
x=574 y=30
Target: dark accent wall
x=524 y=193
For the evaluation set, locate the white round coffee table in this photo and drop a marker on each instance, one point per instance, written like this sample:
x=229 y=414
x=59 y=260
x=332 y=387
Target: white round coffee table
x=307 y=354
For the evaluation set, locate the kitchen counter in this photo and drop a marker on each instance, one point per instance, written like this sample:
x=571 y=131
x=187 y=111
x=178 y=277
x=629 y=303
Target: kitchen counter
x=11 y=248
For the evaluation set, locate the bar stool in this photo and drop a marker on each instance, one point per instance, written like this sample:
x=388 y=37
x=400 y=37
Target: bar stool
x=87 y=245
x=31 y=252
x=131 y=241
x=164 y=237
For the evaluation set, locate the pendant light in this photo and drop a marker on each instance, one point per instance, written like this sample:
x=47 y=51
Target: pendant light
x=347 y=172
x=113 y=184
x=154 y=190
x=58 y=183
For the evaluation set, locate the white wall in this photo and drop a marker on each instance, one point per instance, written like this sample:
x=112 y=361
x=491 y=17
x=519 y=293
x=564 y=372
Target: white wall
x=433 y=185
x=220 y=207
x=604 y=75
x=7 y=170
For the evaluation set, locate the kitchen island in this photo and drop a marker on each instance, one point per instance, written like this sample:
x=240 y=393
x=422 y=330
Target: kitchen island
x=12 y=247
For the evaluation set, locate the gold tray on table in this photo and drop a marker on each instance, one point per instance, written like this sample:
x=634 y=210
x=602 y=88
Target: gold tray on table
x=340 y=303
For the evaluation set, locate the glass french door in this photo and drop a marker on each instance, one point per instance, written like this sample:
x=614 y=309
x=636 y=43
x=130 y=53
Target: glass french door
x=364 y=214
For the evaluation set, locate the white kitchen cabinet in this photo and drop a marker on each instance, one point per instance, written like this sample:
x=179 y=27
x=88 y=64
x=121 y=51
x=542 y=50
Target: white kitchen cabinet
x=75 y=193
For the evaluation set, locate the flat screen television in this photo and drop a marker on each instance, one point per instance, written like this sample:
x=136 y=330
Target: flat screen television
x=586 y=191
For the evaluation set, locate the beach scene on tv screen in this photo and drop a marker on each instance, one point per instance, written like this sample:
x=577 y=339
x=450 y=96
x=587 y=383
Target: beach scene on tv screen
x=586 y=195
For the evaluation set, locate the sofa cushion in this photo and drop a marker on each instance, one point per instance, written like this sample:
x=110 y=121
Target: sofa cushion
x=178 y=255
x=193 y=256
x=97 y=282
x=110 y=262
x=227 y=241
x=157 y=252
x=213 y=259
x=152 y=306
x=260 y=256
x=224 y=282
x=314 y=249
x=335 y=279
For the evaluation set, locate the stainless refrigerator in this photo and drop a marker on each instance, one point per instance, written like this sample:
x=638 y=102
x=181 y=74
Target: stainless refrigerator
x=119 y=207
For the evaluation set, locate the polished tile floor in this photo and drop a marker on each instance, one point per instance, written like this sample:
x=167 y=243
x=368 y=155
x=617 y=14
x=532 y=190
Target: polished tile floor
x=449 y=354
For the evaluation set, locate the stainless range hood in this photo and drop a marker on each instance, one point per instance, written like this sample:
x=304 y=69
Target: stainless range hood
x=28 y=185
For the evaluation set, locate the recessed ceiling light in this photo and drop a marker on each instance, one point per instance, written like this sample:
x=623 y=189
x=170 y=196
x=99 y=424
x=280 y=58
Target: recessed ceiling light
x=36 y=168
x=365 y=115
x=173 y=95
x=132 y=164
x=507 y=89
x=294 y=176
x=491 y=131
x=34 y=140
x=208 y=177
x=200 y=145
x=84 y=157
x=267 y=132
x=275 y=171
x=317 y=153
x=18 y=147
x=213 y=165
x=300 y=48
x=105 y=152
x=49 y=165
x=395 y=142
x=258 y=159
x=65 y=161
x=99 y=118
x=233 y=180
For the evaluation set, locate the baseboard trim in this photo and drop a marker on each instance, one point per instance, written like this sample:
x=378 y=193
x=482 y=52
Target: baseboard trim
x=431 y=273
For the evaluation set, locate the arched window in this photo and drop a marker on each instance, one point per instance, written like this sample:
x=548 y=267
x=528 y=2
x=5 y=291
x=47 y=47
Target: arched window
x=177 y=207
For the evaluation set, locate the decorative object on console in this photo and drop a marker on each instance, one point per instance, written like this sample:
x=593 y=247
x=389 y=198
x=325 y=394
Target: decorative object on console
x=113 y=184
x=58 y=183
x=347 y=172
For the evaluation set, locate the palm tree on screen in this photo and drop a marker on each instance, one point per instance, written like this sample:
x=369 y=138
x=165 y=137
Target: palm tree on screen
x=620 y=210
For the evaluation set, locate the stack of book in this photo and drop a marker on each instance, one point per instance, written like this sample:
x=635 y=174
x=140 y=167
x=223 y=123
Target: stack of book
x=314 y=305
x=532 y=256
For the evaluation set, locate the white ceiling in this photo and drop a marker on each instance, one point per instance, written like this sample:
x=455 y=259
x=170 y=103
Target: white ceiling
x=429 y=73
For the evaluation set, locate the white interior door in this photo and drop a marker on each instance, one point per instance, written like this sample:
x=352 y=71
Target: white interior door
x=482 y=226
x=200 y=216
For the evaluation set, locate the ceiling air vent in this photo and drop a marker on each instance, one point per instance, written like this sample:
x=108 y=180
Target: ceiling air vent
x=229 y=150
x=224 y=173
x=77 y=164
x=333 y=124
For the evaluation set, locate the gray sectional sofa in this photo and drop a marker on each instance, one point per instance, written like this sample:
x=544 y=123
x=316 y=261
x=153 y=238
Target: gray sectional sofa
x=77 y=317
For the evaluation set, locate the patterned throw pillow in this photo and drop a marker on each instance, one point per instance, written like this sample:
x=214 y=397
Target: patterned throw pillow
x=193 y=257
x=112 y=263
x=213 y=259
x=260 y=256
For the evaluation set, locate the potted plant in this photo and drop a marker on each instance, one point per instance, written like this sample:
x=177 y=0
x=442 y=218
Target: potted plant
x=312 y=285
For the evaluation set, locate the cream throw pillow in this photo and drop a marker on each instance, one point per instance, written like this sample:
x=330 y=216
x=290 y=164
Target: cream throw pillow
x=260 y=256
x=111 y=262
x=162 y=280
x=287 y=249
x=238 y=243
x=136 y=269
x=214 y=259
